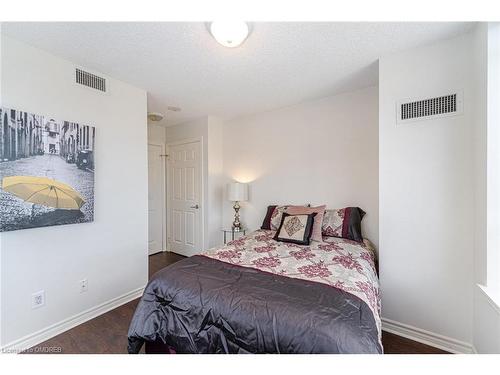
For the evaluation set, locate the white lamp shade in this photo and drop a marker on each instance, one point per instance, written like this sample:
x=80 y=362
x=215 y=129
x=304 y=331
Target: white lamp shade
x=237 y=191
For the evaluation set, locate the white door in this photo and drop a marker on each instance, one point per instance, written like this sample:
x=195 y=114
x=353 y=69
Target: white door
x=156 y=198
x=185 y=198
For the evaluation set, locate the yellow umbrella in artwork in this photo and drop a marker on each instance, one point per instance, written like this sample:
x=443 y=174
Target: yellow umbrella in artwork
x=43 y=191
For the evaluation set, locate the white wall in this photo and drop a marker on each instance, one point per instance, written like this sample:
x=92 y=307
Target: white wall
x=493 y=180
x=320 y=152
x=487 y=168
x=480 y=66
x=215 y=181
x=157 y=134
x=111 y=252
x=486 y=323
x=427 y=193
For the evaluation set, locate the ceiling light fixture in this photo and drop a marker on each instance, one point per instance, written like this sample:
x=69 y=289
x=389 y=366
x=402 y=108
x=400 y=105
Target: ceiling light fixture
x=229 y=33
x=155 y=116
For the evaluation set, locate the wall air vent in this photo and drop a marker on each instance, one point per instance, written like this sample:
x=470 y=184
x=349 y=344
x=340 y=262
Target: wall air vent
x=426 y=109
x=90 y=80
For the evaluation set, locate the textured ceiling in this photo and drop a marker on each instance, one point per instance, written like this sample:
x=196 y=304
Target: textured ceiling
x=280 y=64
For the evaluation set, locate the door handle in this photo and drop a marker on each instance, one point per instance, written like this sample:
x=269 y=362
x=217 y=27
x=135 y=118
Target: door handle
x=195 y=206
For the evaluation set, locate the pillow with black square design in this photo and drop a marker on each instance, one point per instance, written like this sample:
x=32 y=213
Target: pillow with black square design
x=295 y=229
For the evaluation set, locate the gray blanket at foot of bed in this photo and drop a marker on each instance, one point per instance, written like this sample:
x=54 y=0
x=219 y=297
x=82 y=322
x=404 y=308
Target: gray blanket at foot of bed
x=201 y=305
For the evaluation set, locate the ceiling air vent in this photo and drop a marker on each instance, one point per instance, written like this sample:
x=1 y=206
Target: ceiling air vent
x=425 y=109
x=90 y=80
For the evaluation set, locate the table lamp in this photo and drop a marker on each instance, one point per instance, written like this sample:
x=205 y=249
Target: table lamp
x=237 y=192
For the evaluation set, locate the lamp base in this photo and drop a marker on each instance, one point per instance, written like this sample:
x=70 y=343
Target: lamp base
x=236 y=222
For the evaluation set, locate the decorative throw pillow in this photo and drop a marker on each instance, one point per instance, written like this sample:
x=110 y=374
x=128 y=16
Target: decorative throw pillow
x=318 y=219
x=266 y=224
x=344 y=223
x=276 y=217
x=295 y=228
x=332 y=222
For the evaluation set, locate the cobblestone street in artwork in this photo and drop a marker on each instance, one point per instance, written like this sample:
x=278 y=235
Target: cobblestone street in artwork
x=17 y=214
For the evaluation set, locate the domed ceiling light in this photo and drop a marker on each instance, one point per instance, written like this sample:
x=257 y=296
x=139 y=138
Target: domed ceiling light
x=155 y=116
x=229 y=33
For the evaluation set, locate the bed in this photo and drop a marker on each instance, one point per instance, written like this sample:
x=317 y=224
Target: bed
x=258 y=295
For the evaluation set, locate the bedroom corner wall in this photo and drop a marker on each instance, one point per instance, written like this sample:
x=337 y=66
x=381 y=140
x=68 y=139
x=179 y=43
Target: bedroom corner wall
x=322 y=151
x=486 y=326
x=157 y=134
x=427 y=195
x=110 y=252
x=215 y=180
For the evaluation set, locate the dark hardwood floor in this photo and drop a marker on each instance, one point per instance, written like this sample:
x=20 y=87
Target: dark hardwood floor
x=394 y=344
x=161 y=260
x=107 y=334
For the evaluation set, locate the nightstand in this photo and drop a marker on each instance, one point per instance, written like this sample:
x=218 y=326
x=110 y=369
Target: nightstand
x=233 y=233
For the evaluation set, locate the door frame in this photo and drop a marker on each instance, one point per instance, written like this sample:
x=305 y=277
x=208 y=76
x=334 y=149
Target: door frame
x=164 y=240
x=202 y=187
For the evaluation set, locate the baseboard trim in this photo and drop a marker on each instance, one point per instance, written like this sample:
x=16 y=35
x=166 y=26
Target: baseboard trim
x=44 y=334
x=426 y=337
x=158 y=252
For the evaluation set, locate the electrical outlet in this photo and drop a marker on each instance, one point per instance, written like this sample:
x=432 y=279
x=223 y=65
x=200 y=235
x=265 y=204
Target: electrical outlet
x=84 y=286
x=38 y=299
